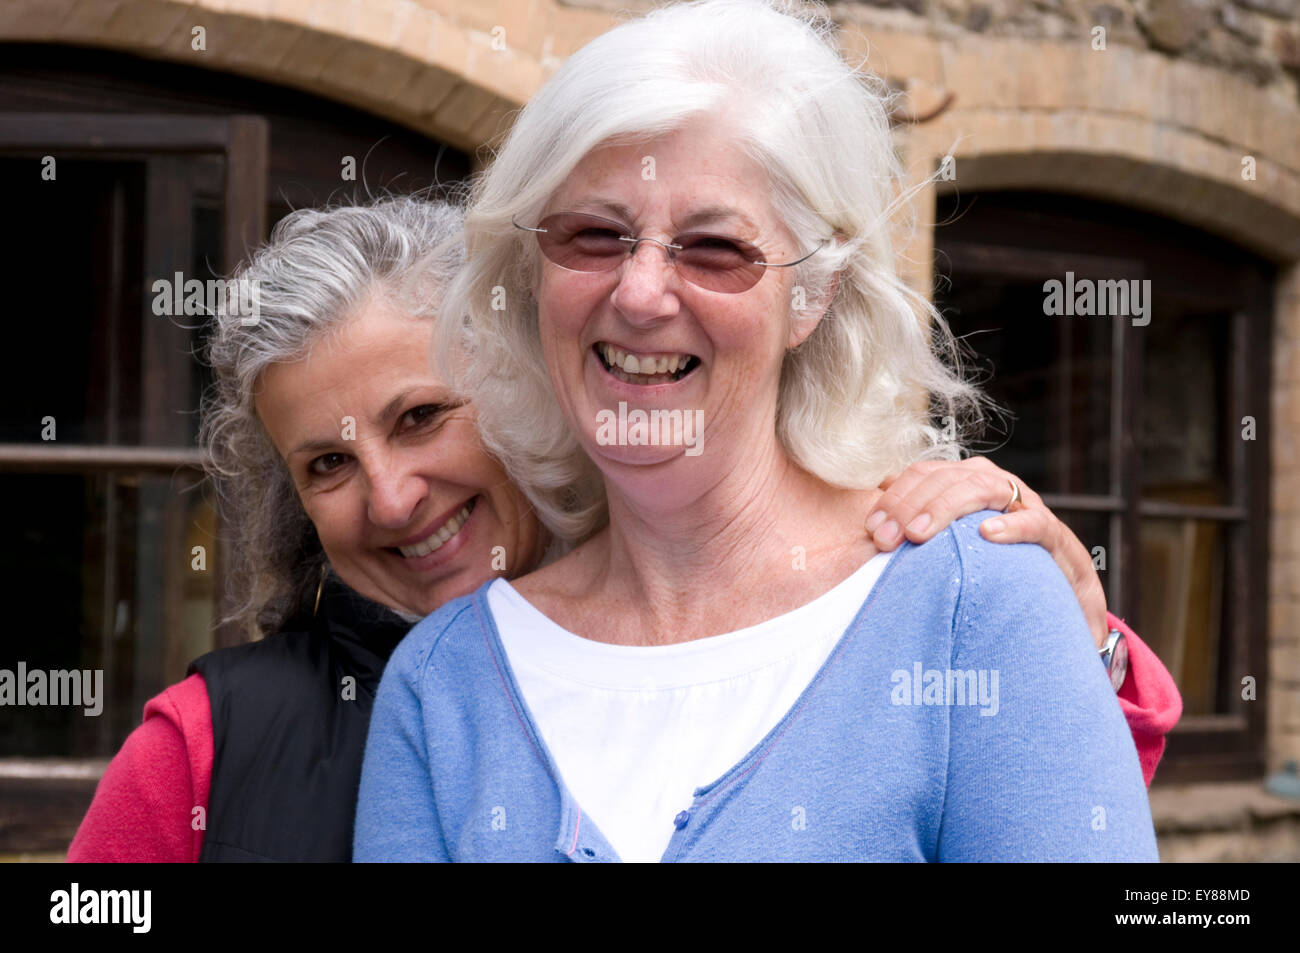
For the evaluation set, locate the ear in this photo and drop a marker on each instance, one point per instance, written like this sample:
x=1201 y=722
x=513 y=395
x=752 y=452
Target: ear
x=809 y=314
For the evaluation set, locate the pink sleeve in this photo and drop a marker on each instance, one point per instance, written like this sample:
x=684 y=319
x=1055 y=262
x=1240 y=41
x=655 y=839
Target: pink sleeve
x=1149 y=699
x=143 y=810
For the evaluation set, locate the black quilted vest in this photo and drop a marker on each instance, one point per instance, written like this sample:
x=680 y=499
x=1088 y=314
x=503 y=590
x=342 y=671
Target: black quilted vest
x=289 y=720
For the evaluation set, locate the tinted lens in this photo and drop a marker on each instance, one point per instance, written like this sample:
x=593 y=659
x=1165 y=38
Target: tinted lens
x=719 y=263
x=582 y=242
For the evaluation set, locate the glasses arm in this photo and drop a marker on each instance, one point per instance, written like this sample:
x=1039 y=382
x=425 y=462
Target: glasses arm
x=791 y=264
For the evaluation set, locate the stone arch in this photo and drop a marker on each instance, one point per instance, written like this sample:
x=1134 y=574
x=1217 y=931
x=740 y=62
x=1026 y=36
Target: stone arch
x=1126 y=125
x=444 y=69
x=1193 y=183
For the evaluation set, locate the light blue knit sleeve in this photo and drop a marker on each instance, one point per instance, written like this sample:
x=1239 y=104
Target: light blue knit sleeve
x=397 y=818
x=1043 y=767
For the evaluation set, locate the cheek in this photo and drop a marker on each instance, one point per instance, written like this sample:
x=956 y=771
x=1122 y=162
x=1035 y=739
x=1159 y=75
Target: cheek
x=455 y=457
x=515 y=527
x=491 y=480
x=336 y=519
x=473 y=469
x=454 y=453
x=566 y=300
x=550 y=331
x=553 y=333
x=756 y=334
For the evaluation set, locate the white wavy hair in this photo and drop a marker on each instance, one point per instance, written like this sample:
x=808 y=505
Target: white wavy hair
x=859 y=397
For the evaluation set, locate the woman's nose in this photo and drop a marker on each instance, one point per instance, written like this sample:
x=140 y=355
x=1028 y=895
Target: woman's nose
x=395 y=495
x=647 y=283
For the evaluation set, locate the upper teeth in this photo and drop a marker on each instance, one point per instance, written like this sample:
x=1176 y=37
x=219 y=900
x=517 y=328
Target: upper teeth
x=439 y=536
x=643 y=364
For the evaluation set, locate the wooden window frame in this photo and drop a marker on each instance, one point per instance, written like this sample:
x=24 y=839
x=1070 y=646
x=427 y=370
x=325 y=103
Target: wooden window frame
x=1208 y=747
x=161 y=141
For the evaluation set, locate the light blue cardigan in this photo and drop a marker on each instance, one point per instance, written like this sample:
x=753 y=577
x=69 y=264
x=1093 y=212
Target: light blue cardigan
x=964 y=715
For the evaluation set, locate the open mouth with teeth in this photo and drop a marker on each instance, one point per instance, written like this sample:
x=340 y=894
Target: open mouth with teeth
x=439 y=537
x=645 y=369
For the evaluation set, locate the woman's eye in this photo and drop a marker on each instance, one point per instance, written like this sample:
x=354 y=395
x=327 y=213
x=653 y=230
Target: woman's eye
x=714 y=251
x=716 y=243
x=327 y=463
x=417 y=416
x=597 y=237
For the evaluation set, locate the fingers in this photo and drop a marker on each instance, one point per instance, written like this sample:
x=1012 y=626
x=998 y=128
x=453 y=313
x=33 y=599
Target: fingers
x=1092 y=600
x=892 y=511
x=955 y=496
x=1030 y=525
x=925 y=498
x=1028 y=498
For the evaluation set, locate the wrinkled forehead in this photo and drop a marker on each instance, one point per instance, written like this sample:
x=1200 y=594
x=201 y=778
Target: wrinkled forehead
x=694 y=178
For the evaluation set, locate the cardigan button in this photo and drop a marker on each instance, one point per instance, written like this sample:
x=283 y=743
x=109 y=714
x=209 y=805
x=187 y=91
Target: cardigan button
x=680 y=820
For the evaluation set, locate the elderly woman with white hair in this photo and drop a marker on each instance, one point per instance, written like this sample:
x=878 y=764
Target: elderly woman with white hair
x=691 y=350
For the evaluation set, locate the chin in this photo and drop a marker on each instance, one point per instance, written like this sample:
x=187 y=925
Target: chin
x=635 y=456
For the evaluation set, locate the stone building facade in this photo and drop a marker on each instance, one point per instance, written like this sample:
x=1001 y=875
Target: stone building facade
x=1184 y=109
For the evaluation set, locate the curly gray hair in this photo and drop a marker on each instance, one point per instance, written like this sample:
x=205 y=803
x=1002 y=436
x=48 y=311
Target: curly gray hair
x=319 y=266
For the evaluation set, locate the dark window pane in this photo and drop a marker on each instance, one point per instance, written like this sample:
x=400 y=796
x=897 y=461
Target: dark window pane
x=79 y=316
x=102 y=577
x=1051 y=373
x=1184 y=407
x=1099 y=534
x=66 y=278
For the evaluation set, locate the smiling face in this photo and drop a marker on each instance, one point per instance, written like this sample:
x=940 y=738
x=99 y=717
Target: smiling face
x=644 y=336
x=389 y=466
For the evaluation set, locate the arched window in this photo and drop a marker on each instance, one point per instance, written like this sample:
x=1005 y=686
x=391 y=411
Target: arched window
x=1133 y=355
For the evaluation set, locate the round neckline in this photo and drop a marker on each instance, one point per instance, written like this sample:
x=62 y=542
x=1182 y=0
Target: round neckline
x=542 y=643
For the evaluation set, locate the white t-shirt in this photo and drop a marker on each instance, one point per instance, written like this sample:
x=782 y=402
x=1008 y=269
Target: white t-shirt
x=634 y=730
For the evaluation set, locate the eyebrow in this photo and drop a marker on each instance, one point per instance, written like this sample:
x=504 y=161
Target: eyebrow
x=312 y=446
x=701 y=216
x=607 y=205
x=717 y=213
x=390 y=410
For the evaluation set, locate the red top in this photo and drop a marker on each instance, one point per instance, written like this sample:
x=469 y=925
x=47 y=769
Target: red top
x=151 y=805
x=144 y=806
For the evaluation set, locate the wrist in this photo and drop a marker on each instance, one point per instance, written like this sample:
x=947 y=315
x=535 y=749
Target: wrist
x=1114 y=656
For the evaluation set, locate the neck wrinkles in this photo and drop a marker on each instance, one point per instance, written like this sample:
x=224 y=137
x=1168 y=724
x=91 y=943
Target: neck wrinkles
x=671 y=560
